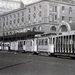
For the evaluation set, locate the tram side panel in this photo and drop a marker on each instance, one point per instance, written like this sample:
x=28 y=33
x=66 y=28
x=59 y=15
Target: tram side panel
x=29 y=45
x=21 y=45
x=14 y=46
x=43 y=44
x=35 y=45
x=51 y=45
x=24 y=45
x=0 y=45
x=6 y=46
x=65 y=44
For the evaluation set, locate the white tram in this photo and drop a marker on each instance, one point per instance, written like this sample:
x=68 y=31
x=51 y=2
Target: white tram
x=6 y=46
x=51 y=44
x=45 y=44
x=57 y=44
x=64 y=44
x=14 y=46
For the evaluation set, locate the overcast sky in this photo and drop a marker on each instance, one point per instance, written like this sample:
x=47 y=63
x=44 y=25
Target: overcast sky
x=30 y=1
x=27 y=1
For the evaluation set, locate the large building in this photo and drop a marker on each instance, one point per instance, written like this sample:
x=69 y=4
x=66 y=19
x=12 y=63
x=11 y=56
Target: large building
x=44 y=16
x=9 y=5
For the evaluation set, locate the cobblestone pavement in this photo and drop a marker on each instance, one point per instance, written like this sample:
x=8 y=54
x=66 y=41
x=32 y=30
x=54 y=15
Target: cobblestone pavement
x=12 y=63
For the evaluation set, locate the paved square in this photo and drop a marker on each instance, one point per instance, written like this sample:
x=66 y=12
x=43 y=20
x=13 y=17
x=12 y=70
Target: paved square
x=28 y=64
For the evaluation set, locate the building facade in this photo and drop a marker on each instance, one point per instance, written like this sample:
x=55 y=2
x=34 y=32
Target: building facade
x=7 y=5
x=44 y=16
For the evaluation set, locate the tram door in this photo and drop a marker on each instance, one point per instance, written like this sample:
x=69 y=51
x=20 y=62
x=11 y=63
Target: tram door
x=35 y=45
x=20 y=45
x=29 y=45
x=51 y=44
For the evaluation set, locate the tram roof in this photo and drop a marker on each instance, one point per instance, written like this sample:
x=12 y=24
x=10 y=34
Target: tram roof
x=22 y=34
x=48 y=34
x=28 y=33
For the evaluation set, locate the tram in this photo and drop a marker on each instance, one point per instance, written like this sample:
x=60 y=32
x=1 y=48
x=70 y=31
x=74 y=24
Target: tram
x=45 y=45
x=63 y=44
x=6 y=46
x=57 y=44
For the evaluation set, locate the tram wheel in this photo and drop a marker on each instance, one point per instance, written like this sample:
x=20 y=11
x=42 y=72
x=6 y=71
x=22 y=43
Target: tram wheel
x=72 y=57
x=52 y=54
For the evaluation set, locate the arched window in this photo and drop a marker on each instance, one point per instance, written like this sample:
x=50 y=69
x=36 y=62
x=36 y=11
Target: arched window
x=63 y=28
x=70 y=10
x=10 y=33
x=53 y=28
x=34 y=29
x=6 y=33
x=39 y=28
x=63 y=8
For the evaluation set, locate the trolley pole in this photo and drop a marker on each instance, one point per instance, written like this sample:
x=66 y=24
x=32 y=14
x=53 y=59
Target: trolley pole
x=3 y=37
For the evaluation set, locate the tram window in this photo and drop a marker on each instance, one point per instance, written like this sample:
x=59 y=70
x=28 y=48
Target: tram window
x=42 y=42
x=46 y=42
x=24 y=42
x=36 y=41
x=20 y=43
x=31 y=43
x=53 y=40
x=50 y=40
x=39 y=42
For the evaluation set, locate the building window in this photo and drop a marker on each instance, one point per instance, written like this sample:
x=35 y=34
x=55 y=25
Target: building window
x=14 y=15
x=10 y=22
x=63 y=18
x=3 y=18
x=50 y=8
x=40 y=13
x=14 y=21
x=70 y=10
x=34 y=28
x=63 y=8
x=29 y=17
x=3 y=23
x=6 y=33
x=70 y=19
x=10 y=33
x=7 y=23
x=34 y=8
x=55 y=8
x=22 y=19
x=39 y=28
x=10 y=16
x=22 y=13
x=29 y=10
x=18 y=14
x=18 y=20
x=7 y=17
x=34 y=15
x=53 y=28
x=55 y=17
x=40 y=6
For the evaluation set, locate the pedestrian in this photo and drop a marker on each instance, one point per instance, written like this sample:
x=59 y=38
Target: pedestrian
x=9 y=48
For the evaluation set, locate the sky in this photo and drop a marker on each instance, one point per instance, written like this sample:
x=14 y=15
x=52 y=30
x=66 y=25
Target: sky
x=31 y=1
x=27 y=1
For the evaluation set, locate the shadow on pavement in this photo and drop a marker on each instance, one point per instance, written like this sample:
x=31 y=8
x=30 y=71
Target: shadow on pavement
x=10 y=66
